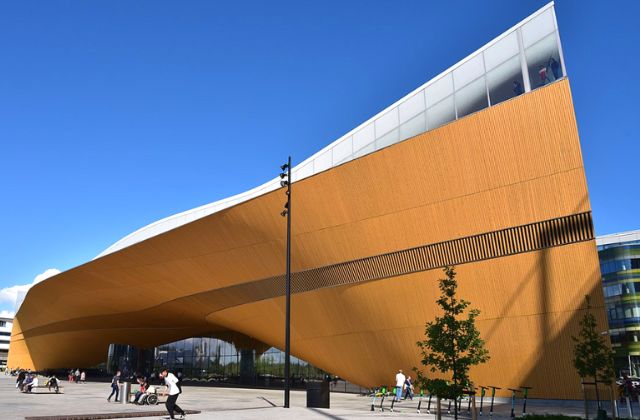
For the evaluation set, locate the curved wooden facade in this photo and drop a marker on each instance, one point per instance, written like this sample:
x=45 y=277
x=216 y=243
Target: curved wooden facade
x=501 y=193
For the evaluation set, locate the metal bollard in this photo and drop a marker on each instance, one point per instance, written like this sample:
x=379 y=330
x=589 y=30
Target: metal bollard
x=124 y=392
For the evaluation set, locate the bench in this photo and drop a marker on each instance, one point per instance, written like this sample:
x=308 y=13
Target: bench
x=43 y=389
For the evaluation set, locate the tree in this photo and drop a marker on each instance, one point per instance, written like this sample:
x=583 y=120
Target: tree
x=592 y=355
x=452 y=343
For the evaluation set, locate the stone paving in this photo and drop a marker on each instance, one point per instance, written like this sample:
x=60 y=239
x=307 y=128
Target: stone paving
x=240 y=403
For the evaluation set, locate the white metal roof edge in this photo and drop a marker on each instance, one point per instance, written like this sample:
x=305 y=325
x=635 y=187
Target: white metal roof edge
x=621 y=237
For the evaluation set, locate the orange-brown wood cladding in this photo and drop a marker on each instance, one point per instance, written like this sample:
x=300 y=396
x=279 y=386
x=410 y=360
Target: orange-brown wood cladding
x=530 y=304
x=518 y=162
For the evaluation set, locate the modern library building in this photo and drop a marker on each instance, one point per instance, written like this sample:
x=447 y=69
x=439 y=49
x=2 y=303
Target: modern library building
x=479 y=168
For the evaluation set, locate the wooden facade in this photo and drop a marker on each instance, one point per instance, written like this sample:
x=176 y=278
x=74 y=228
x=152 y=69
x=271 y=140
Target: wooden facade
x=515 y=164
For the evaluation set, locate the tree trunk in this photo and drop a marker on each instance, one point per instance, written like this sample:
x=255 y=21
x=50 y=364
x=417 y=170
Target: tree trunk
x=586 y=402
x=455 y=383
x=455 y=395
x=614 y=407
x=595 y=379
x=474 y=412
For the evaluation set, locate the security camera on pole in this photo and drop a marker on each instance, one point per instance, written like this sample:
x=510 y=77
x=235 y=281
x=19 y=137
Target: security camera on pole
x=286 y=182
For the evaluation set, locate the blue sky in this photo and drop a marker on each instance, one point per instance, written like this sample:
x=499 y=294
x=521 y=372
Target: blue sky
x=114 y=114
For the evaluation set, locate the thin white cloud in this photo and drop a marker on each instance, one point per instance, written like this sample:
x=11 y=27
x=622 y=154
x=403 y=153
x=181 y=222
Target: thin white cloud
x=11 y=294
x=7 y=314
x=47 y=273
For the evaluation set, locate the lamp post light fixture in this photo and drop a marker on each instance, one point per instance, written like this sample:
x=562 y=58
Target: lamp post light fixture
x=286 y=182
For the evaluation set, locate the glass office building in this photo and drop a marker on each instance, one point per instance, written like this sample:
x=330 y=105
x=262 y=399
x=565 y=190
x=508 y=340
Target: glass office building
x=620 y=265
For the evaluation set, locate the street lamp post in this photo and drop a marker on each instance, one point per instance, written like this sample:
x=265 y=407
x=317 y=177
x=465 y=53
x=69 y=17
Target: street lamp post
x=286 y=168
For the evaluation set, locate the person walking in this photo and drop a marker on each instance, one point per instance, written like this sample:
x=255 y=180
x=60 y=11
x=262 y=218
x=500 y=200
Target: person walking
x=83 y=377
x=400 y=378
x=20 y=379
x=115 y=386
x=77 y=375
x=172 y=387
x=408 y=388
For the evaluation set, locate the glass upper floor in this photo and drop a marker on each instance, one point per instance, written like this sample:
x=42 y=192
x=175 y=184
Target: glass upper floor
x=618 y=242
x=618 y=257
x=525 y=57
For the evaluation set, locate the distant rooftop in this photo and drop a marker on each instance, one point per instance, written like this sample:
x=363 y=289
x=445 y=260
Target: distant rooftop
x=616 y=238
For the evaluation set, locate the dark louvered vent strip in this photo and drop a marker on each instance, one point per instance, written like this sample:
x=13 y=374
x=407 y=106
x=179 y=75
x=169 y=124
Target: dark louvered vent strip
x=515 y=240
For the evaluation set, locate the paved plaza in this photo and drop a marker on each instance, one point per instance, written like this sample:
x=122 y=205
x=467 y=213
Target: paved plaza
x=236 y=403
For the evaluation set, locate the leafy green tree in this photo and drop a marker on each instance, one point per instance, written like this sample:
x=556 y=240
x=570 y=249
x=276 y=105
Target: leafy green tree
x=592 y=355
x=452 y=344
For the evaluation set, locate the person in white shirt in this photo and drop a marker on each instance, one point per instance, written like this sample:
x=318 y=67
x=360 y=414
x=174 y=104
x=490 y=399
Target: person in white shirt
x=400 y=378
x=33 y=384
x=171 y=382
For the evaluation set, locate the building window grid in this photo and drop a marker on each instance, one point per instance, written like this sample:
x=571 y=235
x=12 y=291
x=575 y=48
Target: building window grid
x=623 y=263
